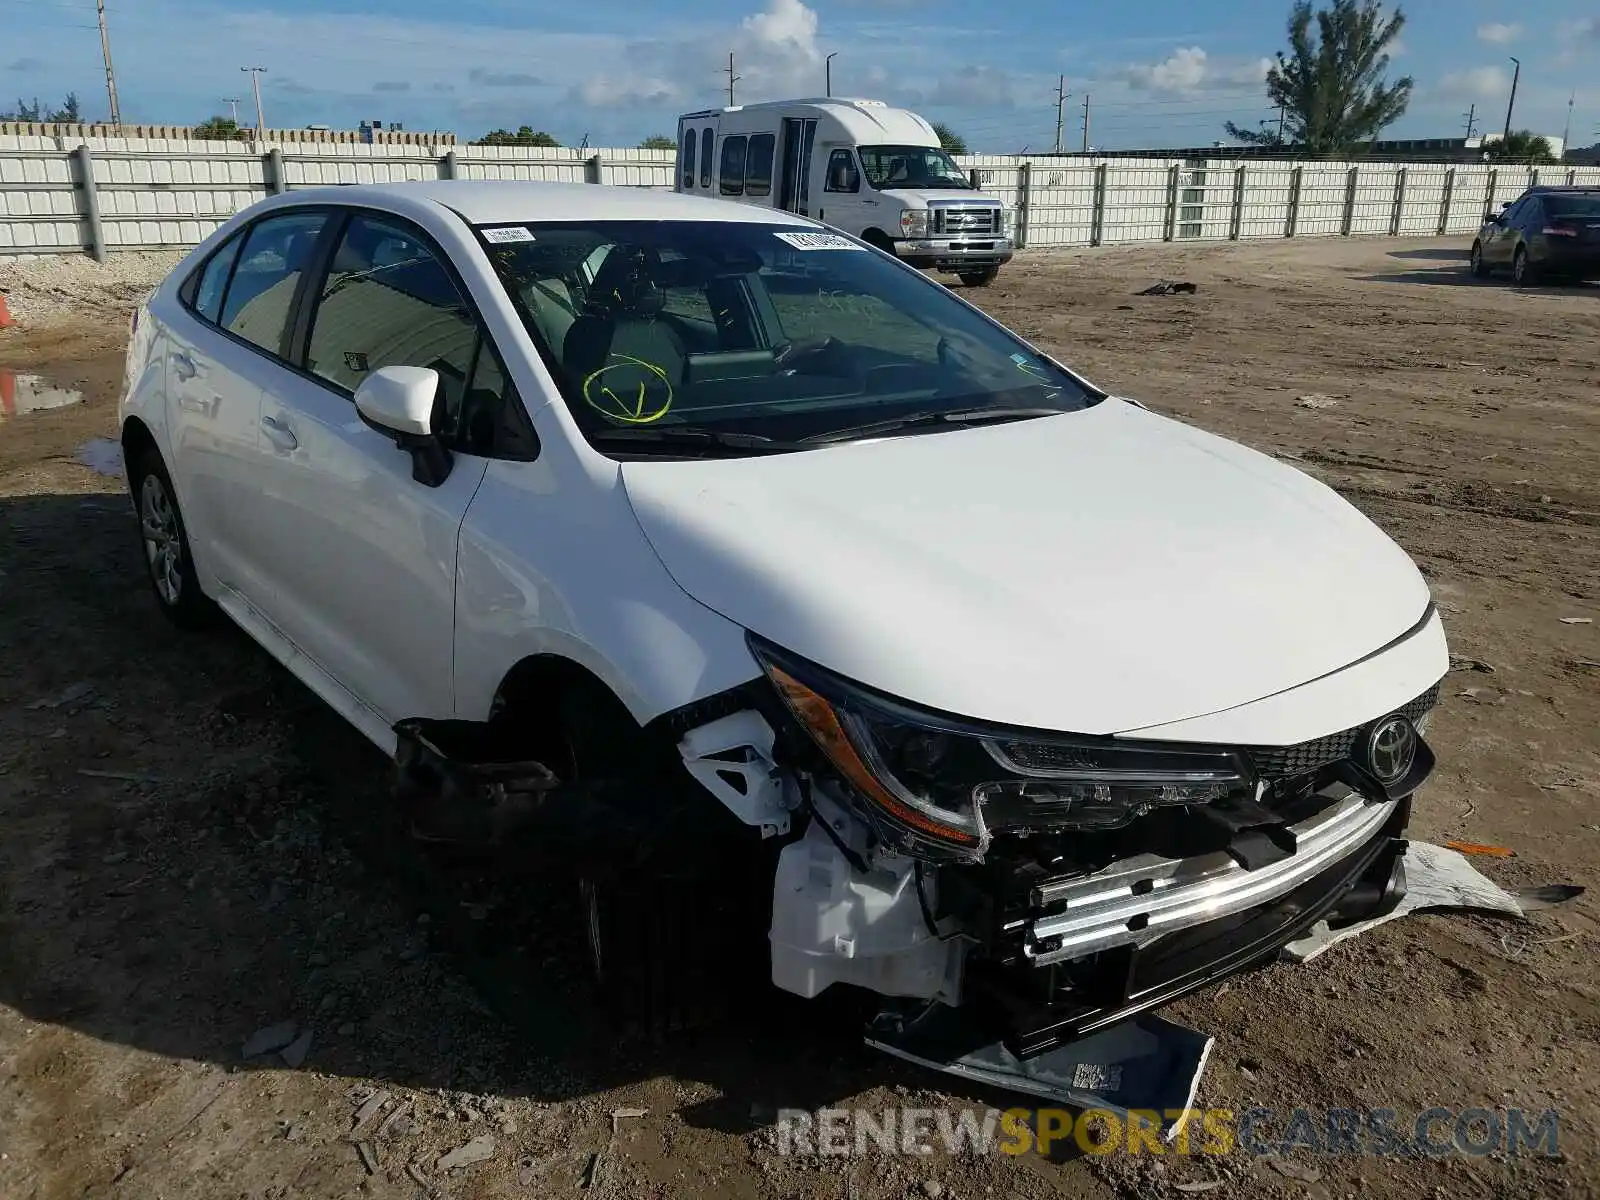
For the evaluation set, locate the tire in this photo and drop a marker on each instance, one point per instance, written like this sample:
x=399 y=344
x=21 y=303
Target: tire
x=672 y=912
x=879 y=241
x=1522 y=273
x=981 y=278
x=1476 y=265
x=164 y=544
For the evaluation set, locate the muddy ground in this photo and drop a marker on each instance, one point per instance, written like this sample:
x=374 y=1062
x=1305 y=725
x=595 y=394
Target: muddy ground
x=187 y=851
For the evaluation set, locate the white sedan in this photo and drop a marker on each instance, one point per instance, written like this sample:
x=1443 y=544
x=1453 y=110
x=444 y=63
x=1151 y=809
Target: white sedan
x=1044 y=706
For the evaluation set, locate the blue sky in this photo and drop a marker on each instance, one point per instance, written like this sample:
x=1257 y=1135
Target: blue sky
x=1159 y=72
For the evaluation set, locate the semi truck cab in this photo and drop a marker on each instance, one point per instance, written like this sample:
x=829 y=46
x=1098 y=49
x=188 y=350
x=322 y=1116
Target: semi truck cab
x=863 y=167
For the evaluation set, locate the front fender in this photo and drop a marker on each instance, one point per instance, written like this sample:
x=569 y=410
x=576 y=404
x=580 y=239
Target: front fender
x=544 y=571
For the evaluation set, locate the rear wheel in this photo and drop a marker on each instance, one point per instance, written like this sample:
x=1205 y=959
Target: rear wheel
x=169 y=565
x=1522 y=273
x=981 y=278
x=1476 y=265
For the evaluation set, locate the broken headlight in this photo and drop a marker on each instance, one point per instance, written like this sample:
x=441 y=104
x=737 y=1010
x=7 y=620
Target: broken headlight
x=938 y=786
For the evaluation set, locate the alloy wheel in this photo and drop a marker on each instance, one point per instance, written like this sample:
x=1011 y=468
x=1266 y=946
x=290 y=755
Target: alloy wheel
x=163 y=539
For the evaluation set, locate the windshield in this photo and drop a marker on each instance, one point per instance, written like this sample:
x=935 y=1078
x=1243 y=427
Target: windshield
x=753 y=329
x=911 y=167
x=1573 y=206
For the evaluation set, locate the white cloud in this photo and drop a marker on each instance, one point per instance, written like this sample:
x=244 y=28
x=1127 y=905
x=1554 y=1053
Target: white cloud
x=975 y=87
x=1584 y=28
x=600 y=91
x=1499 y=34
x=1477 y=83
x=1190 y=69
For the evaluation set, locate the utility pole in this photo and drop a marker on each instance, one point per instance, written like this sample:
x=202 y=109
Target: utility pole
x=1472 y=118
x=1566 y=131
x=255 y=74
x=1086 y=122
x=1510 y=104
x=732 y=78
x=1061 y=105
x=827 y=66
x=1282 y=113
x=233 y=103
x=111 y=75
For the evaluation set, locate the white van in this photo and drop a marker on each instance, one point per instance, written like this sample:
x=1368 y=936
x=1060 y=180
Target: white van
x=865 y=168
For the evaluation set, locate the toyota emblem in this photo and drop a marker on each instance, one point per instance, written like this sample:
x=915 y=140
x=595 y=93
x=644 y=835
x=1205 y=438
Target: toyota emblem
x=1391 y=749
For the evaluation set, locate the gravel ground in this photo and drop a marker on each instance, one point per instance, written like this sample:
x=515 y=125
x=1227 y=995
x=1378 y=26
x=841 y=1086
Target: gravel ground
x=58 y=287
x=192 y=857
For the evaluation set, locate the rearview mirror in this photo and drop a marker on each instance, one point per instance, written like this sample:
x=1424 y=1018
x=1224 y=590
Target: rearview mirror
x=398 y=401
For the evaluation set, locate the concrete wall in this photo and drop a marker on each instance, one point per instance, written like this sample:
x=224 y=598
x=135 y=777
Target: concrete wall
x=169 y=193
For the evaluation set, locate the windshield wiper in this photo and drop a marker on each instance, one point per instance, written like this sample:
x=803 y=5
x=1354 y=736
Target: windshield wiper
x=964 y=416
x=644 y=435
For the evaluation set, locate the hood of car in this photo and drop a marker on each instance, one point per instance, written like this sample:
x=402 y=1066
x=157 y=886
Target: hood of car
x=909 y=197
x=1093 y=572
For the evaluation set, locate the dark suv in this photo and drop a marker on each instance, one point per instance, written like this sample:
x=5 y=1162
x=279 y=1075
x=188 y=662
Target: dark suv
x=1546 y=232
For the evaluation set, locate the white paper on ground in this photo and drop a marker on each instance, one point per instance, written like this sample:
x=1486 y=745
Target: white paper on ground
x=1435 y=878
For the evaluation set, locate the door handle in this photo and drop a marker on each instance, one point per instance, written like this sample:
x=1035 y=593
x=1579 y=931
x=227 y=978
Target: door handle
x=279 y=433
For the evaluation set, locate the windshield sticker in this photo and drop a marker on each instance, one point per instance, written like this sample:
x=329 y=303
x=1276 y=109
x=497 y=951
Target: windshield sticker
x=818 y=241
x=626 y=397
x=503 y=234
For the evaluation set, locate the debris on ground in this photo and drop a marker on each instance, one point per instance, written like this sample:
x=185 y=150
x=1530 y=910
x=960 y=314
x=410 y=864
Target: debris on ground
x=273 y=1037
x=1436 y=877
x=1480 y=848
x=624 y=1114
x=479 y=1149
x=1293 y=1170
x=369 y=1111
x=1316 y=400
x=527 y=1169
x=71 y=695
x=1170 y=288
x=294 y=1054
x=1577 y=620
x=369 y=1158
x=1471 y=664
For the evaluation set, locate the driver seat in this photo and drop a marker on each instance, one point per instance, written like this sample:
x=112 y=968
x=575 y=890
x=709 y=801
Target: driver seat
x=620 y=323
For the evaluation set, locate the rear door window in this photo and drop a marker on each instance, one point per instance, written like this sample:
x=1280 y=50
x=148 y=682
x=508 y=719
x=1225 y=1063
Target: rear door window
x=690 y=138
x=213 y=281
x=758 y=166
x=707 y=138
x=260 y=297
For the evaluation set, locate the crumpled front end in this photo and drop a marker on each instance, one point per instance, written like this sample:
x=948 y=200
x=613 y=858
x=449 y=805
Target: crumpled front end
x=1057 y=885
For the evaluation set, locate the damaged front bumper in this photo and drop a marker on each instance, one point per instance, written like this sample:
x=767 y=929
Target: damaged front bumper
x=1077 y=953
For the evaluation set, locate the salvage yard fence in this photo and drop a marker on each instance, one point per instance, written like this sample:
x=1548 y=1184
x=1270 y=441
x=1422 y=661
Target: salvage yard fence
x=104 y=194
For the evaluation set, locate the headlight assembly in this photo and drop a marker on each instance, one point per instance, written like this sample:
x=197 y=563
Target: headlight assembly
x=938 y=787
x=914 y=222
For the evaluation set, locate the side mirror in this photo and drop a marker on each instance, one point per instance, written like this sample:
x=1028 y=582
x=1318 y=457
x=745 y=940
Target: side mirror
x=398 y=401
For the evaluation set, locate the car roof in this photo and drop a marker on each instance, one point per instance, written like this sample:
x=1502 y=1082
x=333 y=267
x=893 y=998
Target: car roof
x=1563 y=189
x=505 y=201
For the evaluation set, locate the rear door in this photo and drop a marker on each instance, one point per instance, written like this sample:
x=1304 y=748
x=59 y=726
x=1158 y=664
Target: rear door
x=363 y=555
x=224 y=336
x=799 y=140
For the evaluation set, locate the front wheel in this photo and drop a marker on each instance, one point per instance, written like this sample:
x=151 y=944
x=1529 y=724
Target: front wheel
x=981 y=278
x=1476 y=265
x=169 y=563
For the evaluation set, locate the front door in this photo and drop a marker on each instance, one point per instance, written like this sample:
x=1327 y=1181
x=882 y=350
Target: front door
x=799 y=135
x=363 y=556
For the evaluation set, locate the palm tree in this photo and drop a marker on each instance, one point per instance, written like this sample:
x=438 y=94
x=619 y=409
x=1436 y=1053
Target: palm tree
x=1522 y=146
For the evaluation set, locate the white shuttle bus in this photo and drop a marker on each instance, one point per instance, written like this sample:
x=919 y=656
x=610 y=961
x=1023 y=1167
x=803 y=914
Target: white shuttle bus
x=864 y=168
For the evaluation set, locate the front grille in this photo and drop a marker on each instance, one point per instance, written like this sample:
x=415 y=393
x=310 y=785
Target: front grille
x=1277 y=762
x=967 y=220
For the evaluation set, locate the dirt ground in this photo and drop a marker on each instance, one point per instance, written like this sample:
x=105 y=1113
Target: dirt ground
x=187 y=854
